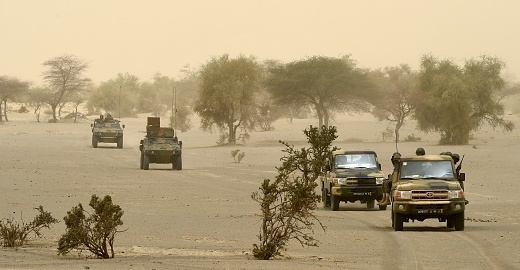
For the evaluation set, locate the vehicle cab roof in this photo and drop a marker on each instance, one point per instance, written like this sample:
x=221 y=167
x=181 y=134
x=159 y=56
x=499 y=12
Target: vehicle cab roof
x=353 y=152
x=426 y=158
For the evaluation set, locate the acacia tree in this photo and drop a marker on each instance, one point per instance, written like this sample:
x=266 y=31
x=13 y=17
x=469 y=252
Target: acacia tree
x=227 y=95
x=118 y=96
x=398 y=95
x=63 y=76
x=457 y=100
x=9 y=88
x=37 y=99
x=329 y=85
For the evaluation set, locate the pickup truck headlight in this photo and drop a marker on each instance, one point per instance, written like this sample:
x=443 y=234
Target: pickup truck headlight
x=400 y=194
x=455 y=194
x=379 y=180
x=340 y=181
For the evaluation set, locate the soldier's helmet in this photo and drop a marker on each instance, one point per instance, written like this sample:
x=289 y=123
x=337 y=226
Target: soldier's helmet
x=448 y=153
x=455 y=157
x=396 y=155
x=420 y=151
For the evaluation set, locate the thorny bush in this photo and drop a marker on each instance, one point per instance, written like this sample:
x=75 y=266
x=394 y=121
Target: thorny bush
x=288 y=202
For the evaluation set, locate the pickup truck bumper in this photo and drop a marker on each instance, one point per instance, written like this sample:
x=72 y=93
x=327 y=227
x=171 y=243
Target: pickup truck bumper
x=358 y=192
x=428 y=208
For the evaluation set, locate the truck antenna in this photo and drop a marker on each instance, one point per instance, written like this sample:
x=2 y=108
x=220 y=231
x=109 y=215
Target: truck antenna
x=174 y=110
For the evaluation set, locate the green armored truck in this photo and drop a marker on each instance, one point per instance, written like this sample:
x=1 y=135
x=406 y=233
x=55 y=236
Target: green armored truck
x=352 y=176
x=427 y=187
x=160 y=146
x=105 y=129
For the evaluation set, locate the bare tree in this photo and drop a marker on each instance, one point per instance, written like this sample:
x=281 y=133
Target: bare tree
x=64 y=76
x=398 y=95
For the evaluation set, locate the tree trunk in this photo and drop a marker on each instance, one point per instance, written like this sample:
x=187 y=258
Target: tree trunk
x=1 y=112
x=75 y=113
x=398 y=126
x=53 y=107
x=5 y=111
x=319 y=113
x=232 y=133
x=326 y=117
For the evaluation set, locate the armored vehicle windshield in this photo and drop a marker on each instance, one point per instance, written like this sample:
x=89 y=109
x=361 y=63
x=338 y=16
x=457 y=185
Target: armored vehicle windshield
x=100 y=124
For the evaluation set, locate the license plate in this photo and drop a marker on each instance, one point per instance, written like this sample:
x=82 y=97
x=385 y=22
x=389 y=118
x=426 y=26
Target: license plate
x=429 y=211
x=362 y=193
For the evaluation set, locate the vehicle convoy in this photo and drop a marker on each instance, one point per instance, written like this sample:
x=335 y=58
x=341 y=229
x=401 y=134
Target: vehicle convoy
x=427 y=187
x=106 y=129
x=352 y=176
x=160 y=146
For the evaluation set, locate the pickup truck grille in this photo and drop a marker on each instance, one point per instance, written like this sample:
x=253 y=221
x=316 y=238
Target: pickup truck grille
x=361 y=182
x=429 y=195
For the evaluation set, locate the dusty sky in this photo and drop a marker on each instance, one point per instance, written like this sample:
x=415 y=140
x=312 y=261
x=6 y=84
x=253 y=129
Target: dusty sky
x=146 y=37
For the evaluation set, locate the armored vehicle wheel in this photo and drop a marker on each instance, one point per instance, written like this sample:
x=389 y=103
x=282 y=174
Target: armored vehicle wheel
x=178 y=163
x=146 y=162
x=371 y=204
x=334 y=202
x=398 y=222
x=94 y=141
x=141 y=162
x=120 y=143
x=325 y=198
x=382 y=207
x=459 y=221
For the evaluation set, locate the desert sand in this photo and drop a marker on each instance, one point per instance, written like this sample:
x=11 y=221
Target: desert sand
x=203 y=217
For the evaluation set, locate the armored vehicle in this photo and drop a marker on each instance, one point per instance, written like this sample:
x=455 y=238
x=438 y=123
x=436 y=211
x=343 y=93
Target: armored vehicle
x=427 y=187
x=107 y=130
x=160 y=146
x=352 y=176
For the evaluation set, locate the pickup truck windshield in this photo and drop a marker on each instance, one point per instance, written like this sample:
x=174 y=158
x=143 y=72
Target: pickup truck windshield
x=422 y=169
x=350 y=161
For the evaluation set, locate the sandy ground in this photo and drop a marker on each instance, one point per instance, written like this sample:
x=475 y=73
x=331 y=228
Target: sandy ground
x=203 y=217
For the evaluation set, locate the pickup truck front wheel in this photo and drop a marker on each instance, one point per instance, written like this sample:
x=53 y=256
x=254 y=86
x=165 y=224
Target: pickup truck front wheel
x=459 y=221
x=398 y=221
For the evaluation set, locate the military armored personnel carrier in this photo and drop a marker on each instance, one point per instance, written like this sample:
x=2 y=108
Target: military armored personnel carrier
x=105 y=129
x=427 y=187
x=160 y=146
x=352 y=176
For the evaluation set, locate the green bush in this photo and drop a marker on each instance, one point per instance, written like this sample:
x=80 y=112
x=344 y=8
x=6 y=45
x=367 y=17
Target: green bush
x=14 y=234
x=94 y=232
x=237 y=155
x=287 y=203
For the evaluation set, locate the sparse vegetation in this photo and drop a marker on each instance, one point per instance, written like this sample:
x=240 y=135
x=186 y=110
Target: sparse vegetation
x=15 y=234
x=412 y=138
x=237 y=155
x=94 y=232
x=288 y=202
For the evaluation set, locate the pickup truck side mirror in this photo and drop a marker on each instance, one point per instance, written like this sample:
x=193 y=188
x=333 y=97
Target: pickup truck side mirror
x=462 y=177
x=379 y=165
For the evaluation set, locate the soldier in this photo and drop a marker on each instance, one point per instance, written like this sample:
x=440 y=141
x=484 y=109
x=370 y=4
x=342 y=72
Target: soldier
x=387 y=183
x=420 y=151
